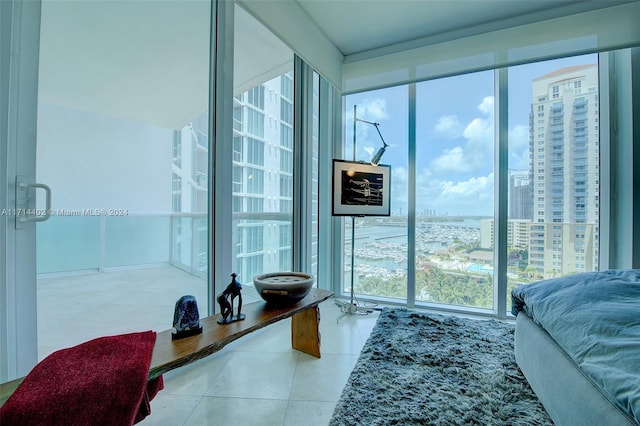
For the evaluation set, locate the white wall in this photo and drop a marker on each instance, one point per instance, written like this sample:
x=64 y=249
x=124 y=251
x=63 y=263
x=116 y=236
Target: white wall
x=92 y=161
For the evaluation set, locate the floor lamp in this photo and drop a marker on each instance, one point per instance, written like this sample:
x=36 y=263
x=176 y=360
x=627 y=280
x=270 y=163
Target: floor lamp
x=351 y=307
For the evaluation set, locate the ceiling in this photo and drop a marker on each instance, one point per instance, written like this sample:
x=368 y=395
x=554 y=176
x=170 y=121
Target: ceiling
x=356 y=26
x=137 y=60
x=146 y=61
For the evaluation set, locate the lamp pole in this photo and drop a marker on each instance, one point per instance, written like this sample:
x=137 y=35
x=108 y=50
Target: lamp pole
x=352 y=307
x=353 y=219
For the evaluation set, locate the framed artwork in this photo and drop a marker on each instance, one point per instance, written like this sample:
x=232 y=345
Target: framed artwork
x=360 y=189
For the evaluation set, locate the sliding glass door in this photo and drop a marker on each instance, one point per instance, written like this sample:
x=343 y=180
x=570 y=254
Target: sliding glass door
x=123 y=145
x=19 y=43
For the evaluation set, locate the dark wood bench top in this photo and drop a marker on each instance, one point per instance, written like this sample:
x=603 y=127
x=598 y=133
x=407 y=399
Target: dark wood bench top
x=169 y=354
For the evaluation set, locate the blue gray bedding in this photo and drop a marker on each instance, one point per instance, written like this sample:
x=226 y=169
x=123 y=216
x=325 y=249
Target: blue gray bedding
x=595 y=318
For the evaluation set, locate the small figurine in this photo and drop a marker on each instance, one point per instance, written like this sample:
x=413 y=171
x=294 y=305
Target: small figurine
x=186 y=318
x=225 y=299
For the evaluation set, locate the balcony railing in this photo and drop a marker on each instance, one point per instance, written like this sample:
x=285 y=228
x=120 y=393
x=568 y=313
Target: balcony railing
x=77 y=243
x=73 y=243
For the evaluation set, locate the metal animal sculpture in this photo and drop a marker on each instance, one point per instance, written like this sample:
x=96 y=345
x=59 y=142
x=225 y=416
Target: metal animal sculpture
x=225 y=300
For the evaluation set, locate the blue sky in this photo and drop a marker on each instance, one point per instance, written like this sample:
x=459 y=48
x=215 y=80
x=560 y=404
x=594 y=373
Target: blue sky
x=454 y=136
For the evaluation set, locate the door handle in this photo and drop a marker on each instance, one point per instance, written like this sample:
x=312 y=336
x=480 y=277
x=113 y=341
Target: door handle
x=25 y=213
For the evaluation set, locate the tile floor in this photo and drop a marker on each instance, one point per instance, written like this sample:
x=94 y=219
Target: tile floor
x=260 y=380
x=256 y=380
x=73 y=308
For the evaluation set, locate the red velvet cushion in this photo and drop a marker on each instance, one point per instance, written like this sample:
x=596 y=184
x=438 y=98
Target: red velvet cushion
x=99 y=382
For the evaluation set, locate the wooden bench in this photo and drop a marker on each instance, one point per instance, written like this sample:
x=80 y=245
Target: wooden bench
x=170 y=354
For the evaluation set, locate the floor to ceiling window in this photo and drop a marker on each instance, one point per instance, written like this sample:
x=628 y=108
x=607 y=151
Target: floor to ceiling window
x=380 y=243
x=263 y=143
x=554 y=169
x=314 y=173
x=441 y=251
x=454 y=190
x=122 y=141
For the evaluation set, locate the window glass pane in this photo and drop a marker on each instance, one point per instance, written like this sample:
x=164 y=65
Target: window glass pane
x=255 y=97
x=286 y=136
x=553 y=182
x=255 y=123
x=263 y=151
x=286 y=111
x=286 y=161
x=315 y=148
x=380 y=249
x=454 y=193
x=255 y=180
x=553 y=169
x=122 y=140
x=255 y=151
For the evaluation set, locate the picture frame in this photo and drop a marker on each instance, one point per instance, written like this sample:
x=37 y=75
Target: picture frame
x=361 y=189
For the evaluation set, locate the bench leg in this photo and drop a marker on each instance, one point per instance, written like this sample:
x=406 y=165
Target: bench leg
x=305 y=335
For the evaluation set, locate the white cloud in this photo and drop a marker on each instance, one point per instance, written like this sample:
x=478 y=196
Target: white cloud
x=367 y=139
x=373 y=109
x=473 y=196
x=449 y=126
x=480 y=130
x=487 y=105
x=477 y=150
x=459 y=181
x=438 y=186
x=474 y=187
x=451 y=160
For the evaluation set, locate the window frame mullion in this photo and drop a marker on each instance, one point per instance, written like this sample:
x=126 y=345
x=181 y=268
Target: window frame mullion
x=501 y=189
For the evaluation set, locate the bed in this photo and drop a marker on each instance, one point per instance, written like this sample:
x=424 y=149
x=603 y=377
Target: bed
x=577 y=342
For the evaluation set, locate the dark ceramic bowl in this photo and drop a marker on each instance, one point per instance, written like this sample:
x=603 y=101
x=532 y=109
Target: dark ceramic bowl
x=283 y=288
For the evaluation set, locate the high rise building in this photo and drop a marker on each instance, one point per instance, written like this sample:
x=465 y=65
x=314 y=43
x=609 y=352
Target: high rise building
x=189 y=197
x=262 y=182
x=263 y=177
x=520 y=200
x=564 y=146
x=517 y=234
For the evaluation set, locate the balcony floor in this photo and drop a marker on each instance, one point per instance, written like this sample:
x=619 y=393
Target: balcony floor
x=75 y=308
x=256 y=380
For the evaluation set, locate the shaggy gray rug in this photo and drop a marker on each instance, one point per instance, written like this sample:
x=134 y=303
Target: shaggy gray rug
x=426 y=369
